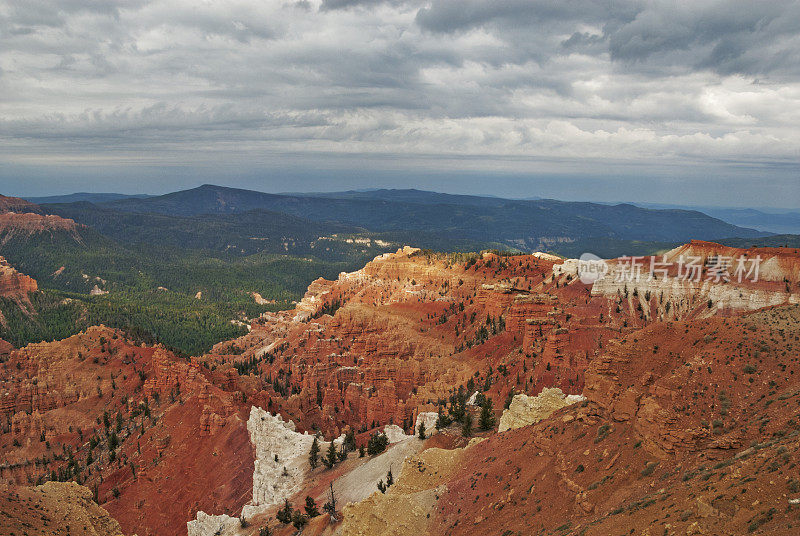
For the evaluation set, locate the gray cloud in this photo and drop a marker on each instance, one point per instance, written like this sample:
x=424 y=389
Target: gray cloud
x=728 y=37
x=584 y=83
x=344 y=4
x=327 y=5
x=453 y=15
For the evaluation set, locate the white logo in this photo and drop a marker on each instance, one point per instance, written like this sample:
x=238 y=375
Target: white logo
x=591 y=268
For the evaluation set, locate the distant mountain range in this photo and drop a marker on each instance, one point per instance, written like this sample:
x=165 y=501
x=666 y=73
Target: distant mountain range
x=84 y=196
x=766 y=220
x=244 y=222
x=519 y=224
x=779 y=221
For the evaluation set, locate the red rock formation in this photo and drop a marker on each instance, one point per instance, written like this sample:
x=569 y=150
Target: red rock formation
x=14 y=284
x=59 y=395
x=408 y=328
x=378 y=345
x=18 y=205
x=384 y=343
x=12 y=224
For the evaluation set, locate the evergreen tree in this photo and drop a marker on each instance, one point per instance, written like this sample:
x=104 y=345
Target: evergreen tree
x=488 y=383
x=299 y=519
x=350 y=440
x=487 y=418
x=422 y=430
x=330 y=506
x=313 y=455
x=458 y=404
x=113 y=441
x=510 y=397
x=284 y=515
x=466 y=426
x=311 y=507
x=331 y=457
x=377 y=443
x=442 y=420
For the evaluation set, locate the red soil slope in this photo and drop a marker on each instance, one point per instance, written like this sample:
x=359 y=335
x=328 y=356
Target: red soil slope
x=690 y=428
x=178 y=435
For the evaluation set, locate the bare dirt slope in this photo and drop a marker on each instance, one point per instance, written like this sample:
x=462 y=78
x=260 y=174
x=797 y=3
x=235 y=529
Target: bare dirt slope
x=54 y=508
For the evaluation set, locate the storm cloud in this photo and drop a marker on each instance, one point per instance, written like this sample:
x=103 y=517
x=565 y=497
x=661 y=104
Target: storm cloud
x=582 y=82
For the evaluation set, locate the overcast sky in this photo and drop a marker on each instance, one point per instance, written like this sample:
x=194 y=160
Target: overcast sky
x=610 y=100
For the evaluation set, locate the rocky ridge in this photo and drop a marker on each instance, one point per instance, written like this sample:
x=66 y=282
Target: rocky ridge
x=707 y=292
x=18 y=205
x=15 y=226
x=62 y=402
x=380 y=345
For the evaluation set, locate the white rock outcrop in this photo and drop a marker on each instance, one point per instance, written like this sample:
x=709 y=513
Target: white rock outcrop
x=525 y=410
x=429 y=418
x=97 y=291
x=394 y=433
x=545 y=256
x=568 y=267
x=281 y=463
x=210 y=525
x=669 y=297
x=280 y=469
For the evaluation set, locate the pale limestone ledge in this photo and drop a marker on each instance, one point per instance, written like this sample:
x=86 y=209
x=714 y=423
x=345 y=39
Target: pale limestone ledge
x=682 y=293
x=684 y=296
x=206 y=525
x=525 y=410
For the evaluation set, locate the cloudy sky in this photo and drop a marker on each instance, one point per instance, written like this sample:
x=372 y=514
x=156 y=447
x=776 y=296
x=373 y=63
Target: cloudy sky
x=576 y=99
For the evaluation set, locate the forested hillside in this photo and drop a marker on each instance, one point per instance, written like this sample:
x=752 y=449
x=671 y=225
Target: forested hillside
x=186 y=282
x=517 y=223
